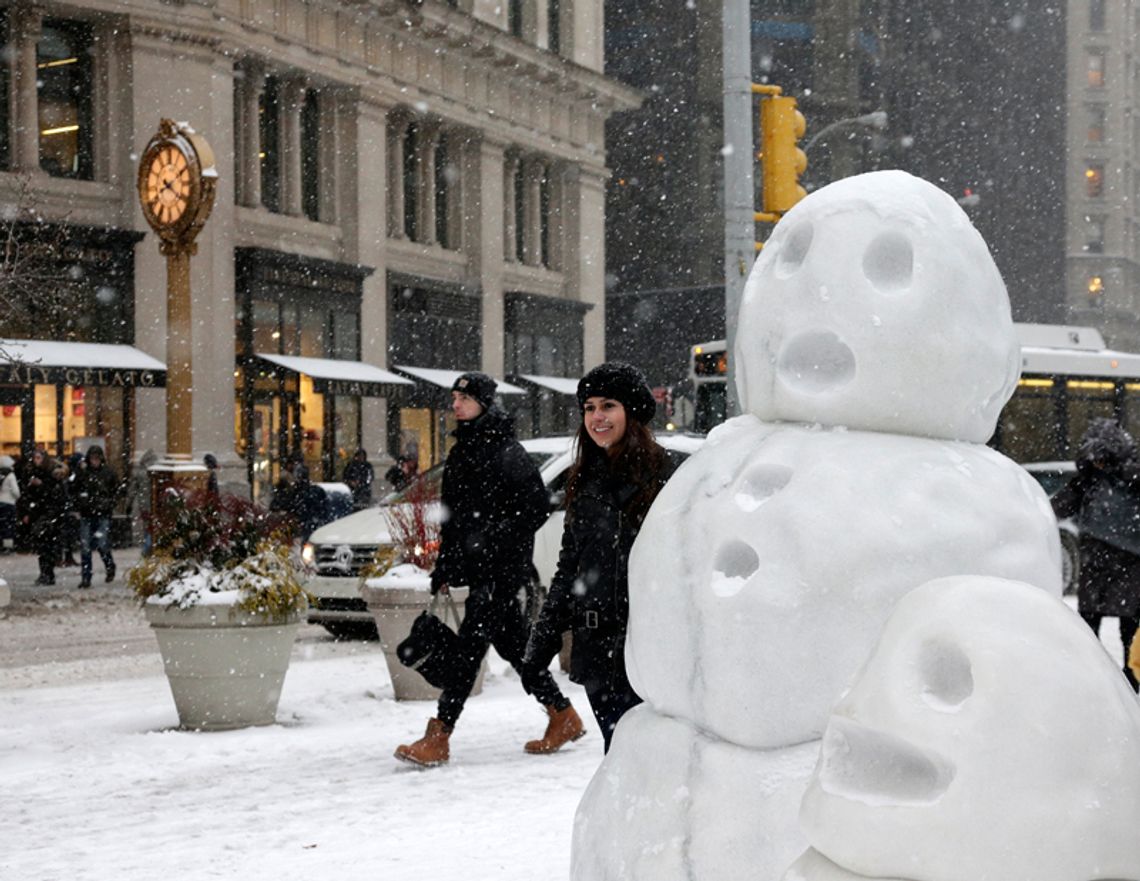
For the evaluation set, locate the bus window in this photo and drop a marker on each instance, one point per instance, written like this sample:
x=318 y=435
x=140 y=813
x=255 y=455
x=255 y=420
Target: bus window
x=1028 y=429
x=712 y=406
x=1087 y=400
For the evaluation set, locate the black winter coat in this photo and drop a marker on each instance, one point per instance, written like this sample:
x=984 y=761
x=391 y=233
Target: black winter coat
x=1106 y=504
x=590 y=591
x=94 y=492
x=493 y=501
x=43 y=498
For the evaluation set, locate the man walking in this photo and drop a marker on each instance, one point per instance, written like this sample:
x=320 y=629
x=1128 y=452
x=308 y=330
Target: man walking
x=493 y=501
x=96 y=488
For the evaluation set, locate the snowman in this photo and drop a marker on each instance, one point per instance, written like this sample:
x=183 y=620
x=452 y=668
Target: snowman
x=989 y=735
x=874 y=352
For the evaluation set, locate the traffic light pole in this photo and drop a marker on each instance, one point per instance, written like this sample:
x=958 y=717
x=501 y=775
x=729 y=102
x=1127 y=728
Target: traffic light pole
x=739 y=225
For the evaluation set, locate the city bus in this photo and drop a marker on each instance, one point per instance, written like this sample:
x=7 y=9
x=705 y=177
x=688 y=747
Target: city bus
x=1068 y=378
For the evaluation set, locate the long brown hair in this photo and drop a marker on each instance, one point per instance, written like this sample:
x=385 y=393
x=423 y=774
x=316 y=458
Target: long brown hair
x=637 y=459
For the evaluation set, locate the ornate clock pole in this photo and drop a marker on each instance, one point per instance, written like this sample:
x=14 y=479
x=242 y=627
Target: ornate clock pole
x=177 y=183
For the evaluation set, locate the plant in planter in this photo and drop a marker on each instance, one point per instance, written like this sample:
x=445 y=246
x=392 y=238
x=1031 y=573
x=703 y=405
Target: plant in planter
x=397 y=585
x=221 y=593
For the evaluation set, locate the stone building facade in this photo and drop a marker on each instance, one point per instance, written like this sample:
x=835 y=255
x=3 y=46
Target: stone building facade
x=401 y=185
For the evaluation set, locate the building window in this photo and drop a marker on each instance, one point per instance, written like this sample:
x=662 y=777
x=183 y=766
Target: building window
x=311 y=156
x=445 y=175
x=1097 y=122
x=1096 y=15
x=6 y=49
x=1094 y=181
x=269 y=110
x=1096 y=70
x=515 y=17
x=1095 y=288
x=554 y=26
x=1094 y=235
x=520 y=212
x=544 y=217
x=411 y=180
x=64 y=82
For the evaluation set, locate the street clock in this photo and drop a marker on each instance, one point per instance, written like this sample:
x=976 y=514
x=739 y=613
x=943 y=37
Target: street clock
x=177 y=183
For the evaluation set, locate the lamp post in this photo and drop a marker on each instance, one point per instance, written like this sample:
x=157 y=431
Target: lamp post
x=876 y=119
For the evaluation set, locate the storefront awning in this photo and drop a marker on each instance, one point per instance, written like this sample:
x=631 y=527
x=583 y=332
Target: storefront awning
x=559 y=384
x=48 y=362
x=445 y=379
x=335 y=377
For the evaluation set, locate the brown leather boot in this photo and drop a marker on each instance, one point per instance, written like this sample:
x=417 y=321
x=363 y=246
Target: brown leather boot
x=563 y=727
x=431 y=749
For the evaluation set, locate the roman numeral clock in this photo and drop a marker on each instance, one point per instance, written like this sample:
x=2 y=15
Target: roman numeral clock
x=177 y=183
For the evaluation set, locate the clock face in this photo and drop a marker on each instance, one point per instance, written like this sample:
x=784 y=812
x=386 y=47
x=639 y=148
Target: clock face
x=167 y=188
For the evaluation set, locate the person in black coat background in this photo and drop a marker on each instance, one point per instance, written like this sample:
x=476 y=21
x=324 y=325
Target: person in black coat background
x=41 y=510
x=619 y=470
x=493 y=500
x=359 y=475
x=1105 y=498
x=96 y=489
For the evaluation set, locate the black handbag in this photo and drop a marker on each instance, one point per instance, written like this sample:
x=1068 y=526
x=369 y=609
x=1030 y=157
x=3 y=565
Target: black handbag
x=432 y=647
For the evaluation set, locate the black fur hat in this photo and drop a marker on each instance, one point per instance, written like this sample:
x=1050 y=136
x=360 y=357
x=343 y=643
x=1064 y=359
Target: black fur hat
x=622 y=382
x=479 y=386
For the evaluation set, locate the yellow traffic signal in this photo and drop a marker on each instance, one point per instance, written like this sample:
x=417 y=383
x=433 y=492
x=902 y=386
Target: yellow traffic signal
x=781 y=126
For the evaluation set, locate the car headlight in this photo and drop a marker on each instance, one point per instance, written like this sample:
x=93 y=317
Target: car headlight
x=308 y=554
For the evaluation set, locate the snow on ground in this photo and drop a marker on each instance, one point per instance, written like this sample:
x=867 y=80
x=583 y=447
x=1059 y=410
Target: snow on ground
x=96 y=783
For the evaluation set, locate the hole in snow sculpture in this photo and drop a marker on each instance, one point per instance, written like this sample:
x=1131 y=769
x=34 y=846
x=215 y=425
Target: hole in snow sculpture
x=760 y=484
x=877 y=768
x=794 y=250
x=947 y=677
x=889 y=263
x=734 y=563
x=815 y=362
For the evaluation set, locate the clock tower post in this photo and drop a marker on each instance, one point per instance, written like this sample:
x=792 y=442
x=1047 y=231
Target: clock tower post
x=177 y=182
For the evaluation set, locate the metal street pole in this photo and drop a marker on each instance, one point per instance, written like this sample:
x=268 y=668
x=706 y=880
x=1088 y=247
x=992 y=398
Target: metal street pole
x=739 y=223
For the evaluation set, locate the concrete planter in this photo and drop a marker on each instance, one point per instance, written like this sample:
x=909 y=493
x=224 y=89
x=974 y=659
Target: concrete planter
x=225 y=666
x=395 y=601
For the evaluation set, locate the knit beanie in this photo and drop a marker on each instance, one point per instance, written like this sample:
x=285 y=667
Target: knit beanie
x=479 y=386
x=621 y=382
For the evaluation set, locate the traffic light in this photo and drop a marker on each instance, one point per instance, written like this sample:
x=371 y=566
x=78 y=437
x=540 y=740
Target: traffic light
x=781 y=126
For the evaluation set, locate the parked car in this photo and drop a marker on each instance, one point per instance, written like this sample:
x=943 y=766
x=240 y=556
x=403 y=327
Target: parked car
x=1052 y=476
x=338 y=551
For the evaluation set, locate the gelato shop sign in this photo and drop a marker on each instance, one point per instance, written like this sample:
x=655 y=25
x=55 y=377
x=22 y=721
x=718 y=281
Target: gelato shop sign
x=49 y=362
x=36 y=374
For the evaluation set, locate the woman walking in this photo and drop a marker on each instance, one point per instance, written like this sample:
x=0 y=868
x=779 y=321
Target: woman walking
x=618 y=472
x=1105 y=499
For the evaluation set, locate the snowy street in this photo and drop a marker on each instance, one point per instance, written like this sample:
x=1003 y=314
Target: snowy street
x=97 y=784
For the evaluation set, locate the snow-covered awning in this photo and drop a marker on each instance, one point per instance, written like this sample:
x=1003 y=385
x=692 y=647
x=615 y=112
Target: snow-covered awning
x=559 y=384
x=50 y=362
x=332 y=376
x=1105 y=363
x=445 y=379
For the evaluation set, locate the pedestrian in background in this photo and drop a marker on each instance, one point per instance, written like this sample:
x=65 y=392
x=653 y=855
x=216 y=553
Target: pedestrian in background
x=96 y=490
x=138 y=499
x=494 y=500
x=358 y=476
x=69 y=524
x=212 y=469
x=41 y=508
x=401 y=474
x=618 y=471
x=1104 y=496
x=9 y=496
x=306 y=503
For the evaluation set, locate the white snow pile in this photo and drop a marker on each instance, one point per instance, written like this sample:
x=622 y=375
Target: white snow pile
x=875 y=351
x=988 y=736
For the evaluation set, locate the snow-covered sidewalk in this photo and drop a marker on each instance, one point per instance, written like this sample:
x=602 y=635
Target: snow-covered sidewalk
x=96 y=784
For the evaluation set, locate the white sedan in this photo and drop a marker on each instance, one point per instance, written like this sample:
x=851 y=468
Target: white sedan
x=338 y=551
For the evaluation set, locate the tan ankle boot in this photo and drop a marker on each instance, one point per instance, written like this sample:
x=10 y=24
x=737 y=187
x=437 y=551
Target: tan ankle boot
x=563 y=727
x=431 y=749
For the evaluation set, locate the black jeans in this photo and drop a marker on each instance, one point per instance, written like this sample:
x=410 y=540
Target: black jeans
x=610 y=701
x=494 y=617
x=1128 y=627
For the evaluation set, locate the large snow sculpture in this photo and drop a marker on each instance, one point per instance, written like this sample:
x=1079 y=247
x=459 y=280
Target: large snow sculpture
x=988 y=736
x=875 y=350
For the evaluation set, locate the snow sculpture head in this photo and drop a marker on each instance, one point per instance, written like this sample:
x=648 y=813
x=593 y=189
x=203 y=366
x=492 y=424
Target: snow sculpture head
x=988 y=736
x=876 y=305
